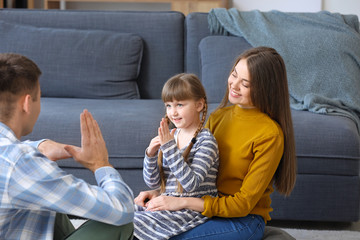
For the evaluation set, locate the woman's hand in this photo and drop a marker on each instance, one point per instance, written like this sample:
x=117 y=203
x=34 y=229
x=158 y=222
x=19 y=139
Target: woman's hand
x=53 y=150
x=162 y=203
x=145 y=196
x=164 y=133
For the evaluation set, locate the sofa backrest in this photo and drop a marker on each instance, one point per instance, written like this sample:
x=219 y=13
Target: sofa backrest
x=153 y=39
x=209 y=56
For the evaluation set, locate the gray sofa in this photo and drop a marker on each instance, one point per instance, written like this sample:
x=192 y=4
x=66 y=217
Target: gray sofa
x=115 y=64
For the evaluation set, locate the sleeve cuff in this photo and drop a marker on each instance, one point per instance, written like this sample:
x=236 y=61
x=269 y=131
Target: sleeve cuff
x=151 y=159
x=207 y=206
x=34 y=144
x=103 y=172
x=167 y=145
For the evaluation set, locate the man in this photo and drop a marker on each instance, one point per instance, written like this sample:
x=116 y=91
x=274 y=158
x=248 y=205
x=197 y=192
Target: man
x=35 y=194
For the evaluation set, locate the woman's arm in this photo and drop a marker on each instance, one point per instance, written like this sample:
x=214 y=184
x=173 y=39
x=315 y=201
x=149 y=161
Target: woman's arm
x=175 y=203
x=267 y=155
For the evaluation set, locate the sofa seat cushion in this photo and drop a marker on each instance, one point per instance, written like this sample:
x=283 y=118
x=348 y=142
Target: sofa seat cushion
x=326 y=145
x=127 y=126
x=78 y=63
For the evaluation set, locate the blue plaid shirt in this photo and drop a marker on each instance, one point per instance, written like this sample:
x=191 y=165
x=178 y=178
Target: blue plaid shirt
x=33 y=188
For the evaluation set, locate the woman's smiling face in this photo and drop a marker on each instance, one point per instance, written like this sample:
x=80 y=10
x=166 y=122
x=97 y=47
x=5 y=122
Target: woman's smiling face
x=239 y=85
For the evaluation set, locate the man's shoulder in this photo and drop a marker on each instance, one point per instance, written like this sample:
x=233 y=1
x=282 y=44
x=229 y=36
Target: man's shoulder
x=12 y=152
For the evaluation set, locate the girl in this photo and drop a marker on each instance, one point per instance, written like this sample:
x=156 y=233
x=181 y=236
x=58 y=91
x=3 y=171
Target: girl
x=187 y=162
x=257 y=150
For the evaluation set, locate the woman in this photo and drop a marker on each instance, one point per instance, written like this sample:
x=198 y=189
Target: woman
x=257 y=150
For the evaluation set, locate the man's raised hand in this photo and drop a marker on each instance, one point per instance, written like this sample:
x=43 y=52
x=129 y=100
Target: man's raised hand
x=93 y=153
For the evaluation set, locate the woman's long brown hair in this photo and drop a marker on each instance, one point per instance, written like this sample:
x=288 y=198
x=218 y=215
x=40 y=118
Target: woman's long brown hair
x=180 y=87
x=270 y=94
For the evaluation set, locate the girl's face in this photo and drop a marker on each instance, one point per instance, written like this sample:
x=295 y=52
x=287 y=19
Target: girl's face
x=239 y=85
x=184 y=114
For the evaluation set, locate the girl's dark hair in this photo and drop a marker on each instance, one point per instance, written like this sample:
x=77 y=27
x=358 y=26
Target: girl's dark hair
x=181 y=87
x=270 y=94
x=18 y=75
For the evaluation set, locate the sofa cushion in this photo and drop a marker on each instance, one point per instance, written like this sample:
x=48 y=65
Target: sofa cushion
x=162 y=34
x=217 y=55
x=78 y=63
x=127 y=125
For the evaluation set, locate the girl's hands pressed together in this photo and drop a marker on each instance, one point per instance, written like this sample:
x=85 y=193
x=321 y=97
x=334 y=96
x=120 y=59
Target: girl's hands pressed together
x=164 y=133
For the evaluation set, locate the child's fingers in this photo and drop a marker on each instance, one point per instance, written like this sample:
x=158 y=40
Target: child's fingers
x=172 y=133
x=166 y=124
x=160 y=134
x=164 y=127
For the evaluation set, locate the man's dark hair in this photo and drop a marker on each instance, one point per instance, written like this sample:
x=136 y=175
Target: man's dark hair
x=18 y=76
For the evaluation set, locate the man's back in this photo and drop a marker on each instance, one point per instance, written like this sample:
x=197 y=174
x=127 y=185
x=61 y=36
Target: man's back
x=35 y=194
x=16 y=222
x=33 y=188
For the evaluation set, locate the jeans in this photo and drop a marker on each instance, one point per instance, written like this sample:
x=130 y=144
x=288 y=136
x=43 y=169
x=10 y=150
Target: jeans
x=249 y=227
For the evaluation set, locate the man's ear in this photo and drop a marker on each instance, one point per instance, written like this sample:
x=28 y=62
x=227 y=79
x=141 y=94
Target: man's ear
x=26 y=103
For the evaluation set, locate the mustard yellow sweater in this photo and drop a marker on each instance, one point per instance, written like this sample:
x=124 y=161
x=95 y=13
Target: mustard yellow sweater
x=251 y=145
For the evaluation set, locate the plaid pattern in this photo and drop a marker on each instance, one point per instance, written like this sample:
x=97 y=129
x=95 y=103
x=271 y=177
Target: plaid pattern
x=33 y=189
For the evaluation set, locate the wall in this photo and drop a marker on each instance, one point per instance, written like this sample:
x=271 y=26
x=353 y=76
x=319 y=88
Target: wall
x=343 y=6
x=282 y=5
